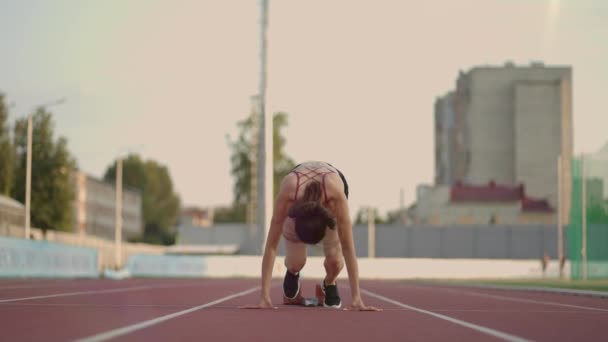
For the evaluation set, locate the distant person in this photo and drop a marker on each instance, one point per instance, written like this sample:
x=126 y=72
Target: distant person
x=312 y=208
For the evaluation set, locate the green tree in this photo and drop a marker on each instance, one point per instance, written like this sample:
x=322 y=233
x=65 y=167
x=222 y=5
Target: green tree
x=230 y=213
x=7 y=153
x=160 y=204
x=597 y=214
x=283 y=164
x=395 y=216
x=362 y=214
x=242 y=152
x=52 y=166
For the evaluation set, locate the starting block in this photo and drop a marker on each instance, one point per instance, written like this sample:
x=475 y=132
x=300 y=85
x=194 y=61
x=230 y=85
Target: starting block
x=306 y=301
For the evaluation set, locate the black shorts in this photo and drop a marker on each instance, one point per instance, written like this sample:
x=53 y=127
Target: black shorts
x=343 y=181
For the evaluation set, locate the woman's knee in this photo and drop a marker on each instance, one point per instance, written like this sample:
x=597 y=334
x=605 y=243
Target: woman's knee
x=295 y=266
x=335 y=263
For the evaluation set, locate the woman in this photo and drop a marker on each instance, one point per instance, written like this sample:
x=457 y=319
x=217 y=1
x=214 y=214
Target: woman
x=312 y=207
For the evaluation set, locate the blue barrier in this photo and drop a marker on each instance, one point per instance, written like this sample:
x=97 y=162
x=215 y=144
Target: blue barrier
x=43 y=259
x=141 y=265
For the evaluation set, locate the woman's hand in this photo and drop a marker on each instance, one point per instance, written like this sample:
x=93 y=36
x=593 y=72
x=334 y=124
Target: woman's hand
x=265 y=303
x=357 y=305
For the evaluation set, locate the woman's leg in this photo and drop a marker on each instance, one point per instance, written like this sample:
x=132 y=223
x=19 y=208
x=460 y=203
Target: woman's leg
x=334 y=263
x=295 y=259
x=295 y=256
x=334 y=260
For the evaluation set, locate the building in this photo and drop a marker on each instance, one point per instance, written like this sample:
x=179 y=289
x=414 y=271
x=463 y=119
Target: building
x=445 y=147
x=12 y=213
x=478 y=204
x=95 y=209
x=597 y=166
x=196 y=217
x=507 y=124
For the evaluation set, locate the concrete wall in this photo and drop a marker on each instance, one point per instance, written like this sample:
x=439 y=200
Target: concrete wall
x=538 y=137
x=105 y=248
x=444 y=147
x=434 y=208
x=94 y=208
x=490 y=123
x=492 y=119
x=397 y=241
x=376 y=268
x=474 y=241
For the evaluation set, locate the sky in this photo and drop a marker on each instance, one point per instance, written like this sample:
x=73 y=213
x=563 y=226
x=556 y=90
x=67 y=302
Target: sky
x=358 y=79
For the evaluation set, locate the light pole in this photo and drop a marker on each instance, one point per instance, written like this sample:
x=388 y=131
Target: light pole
x=265 y=154
x=371 y=232
x=28 y=172
x=118 y=226
x=118 y=209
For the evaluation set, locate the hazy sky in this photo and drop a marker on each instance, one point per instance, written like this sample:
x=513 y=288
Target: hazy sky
x=169 y=79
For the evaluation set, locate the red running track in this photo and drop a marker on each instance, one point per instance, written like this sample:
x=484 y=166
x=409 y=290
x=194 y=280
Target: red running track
x=207 y=309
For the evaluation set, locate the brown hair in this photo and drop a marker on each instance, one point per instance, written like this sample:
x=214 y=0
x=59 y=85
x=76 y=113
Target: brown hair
x=311 y=218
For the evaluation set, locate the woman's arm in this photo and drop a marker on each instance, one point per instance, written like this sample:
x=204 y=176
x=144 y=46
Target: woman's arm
x=345 y=233
x=272 y=244
x=270 y=251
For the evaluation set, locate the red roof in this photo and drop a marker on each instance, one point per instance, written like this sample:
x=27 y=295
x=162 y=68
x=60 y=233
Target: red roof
x=486 y=193
x=493 y=192
x=529 y=204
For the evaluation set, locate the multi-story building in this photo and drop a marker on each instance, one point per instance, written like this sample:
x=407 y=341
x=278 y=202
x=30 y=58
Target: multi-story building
x=506 y=124
x=478 y=204
x=196 y=217
x=95 y=205
x=445 y=149
x=12 y=213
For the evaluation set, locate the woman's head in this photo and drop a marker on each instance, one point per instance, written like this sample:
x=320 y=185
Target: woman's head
x=311 y=218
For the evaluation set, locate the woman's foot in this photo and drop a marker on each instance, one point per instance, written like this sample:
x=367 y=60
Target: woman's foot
x=291 y=285
x=332 y=297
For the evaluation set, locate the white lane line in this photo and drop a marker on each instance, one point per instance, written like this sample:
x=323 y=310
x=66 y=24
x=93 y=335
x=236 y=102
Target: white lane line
x=479 y=328
x=522 y=300
x=77 y=284
x=178 y=306
x=141 y=325
x=28 y=284
x=41 y=286
x=558 y=290
x=24 y=287
x=95 y=292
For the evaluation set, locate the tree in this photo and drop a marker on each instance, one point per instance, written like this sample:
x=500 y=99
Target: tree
x=283 y=164
x=230 y=213
x=597 y=214
x=7 y=153
x=52 y=166
x=395 y=216
x=362 y=215
x=241 y=159
x=160 y=204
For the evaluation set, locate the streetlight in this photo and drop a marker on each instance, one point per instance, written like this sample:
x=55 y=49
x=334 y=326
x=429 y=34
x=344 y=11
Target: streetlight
x=265 y=161
x=28 y=172
x=118 y=208
x=118 y=215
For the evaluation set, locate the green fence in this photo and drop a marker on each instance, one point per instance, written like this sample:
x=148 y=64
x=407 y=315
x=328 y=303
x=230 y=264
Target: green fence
x=588 y=228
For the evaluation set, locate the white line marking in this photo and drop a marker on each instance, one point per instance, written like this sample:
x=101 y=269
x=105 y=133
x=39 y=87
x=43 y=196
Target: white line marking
x=552 y=290
x=179 y=306
x=479 y=328
x=24 y=287
x=52 y=285
x=94 y=292
x=522 y=300
x=27 y=284
x=138 y=326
